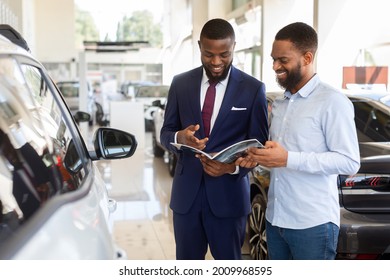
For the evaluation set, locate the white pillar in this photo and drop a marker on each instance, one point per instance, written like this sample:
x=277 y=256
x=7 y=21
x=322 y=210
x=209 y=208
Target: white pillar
x=83 y=91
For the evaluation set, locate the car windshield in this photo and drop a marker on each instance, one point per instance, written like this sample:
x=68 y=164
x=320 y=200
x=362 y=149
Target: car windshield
x=69 y=89
x=152 y=91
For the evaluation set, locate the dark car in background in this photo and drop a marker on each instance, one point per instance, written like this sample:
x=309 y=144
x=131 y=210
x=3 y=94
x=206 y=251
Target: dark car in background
x=53 y=201
x=364 y=197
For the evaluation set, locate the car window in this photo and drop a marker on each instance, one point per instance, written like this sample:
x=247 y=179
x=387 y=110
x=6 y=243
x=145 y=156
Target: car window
x=57 y=129
x=372 y=124
x=38 y=159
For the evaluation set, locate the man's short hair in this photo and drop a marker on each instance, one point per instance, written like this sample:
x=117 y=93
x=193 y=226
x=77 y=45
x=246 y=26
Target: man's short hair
x=217 y=29
x=301 y=35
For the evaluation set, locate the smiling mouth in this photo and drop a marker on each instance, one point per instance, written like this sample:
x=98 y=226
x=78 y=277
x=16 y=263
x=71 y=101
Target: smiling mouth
x=281 y=74
x=217 y=70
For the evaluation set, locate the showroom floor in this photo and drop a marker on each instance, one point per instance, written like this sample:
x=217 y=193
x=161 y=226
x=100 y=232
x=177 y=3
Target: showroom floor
x=143 y=220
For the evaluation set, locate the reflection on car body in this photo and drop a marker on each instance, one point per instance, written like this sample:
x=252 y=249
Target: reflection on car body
x=364 y=197
x=53 y=196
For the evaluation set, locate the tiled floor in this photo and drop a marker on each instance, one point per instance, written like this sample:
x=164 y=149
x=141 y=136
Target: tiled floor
x=143 y=220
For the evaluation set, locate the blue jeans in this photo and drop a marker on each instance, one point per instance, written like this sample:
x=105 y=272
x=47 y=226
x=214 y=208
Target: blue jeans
x=316 y=243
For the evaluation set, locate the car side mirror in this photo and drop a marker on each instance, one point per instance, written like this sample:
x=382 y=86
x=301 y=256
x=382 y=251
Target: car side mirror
x=81 y=116
x=157 y=103
x=110 y=143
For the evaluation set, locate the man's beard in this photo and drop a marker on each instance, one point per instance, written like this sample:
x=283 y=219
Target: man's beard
x=218 y=78
x=292 y=80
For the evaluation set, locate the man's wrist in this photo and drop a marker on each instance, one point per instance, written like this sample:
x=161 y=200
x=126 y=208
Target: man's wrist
x=236 y=171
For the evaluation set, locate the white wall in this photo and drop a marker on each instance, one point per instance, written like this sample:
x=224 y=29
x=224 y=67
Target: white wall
x=278 y=13
x=347 y=26
x=55 y=30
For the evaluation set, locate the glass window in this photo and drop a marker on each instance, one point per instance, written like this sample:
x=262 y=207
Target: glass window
x=372 y=124
x=66 y=154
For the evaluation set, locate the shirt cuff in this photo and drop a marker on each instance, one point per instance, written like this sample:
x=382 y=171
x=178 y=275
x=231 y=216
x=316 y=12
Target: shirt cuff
x=175 y=138
x=293 y=159
x=236 y=171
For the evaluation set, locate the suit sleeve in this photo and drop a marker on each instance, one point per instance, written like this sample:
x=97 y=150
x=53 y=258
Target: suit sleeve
x=259 y=116
x=258 y=127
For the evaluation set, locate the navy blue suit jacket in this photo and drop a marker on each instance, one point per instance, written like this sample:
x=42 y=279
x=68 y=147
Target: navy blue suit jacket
x=228 y=194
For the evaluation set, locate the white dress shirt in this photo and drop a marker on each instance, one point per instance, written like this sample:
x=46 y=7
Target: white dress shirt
x=220 y=93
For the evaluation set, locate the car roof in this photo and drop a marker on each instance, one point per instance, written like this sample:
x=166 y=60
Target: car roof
x=14 y=36
x=6 y=46
x=374 y=102
x=10 y=48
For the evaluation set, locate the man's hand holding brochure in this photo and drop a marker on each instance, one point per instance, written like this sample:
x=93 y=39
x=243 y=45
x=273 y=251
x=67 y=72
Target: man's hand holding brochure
x=227 y=155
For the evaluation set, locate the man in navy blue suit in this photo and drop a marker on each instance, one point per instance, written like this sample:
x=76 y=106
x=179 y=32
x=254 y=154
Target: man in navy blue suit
x=210 y=200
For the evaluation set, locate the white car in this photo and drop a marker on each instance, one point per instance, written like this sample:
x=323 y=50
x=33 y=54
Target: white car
x=53 y=201
x=147 y=95
x=158 y=149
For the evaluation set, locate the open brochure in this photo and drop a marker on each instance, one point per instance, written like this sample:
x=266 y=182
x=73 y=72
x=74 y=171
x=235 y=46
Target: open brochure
x=227 y=155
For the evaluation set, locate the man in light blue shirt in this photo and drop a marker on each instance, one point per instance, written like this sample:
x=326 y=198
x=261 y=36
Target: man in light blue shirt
x=312 y=140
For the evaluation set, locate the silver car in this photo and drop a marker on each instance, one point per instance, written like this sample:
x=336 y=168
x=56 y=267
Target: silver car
x=54 y=203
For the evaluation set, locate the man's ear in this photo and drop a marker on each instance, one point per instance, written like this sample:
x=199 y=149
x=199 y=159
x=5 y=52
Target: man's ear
x=308 y=58
x=199 y=44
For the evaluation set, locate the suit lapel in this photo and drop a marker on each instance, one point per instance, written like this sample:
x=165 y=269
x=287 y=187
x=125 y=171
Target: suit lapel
x=194 y=97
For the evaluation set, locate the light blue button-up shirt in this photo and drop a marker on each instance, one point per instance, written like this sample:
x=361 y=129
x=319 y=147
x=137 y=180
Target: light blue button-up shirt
x=316 y=126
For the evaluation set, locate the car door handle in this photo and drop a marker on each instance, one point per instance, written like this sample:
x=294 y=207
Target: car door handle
x=112 y=205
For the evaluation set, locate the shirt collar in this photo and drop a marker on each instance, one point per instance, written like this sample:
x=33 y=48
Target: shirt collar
x=307 y=89
x=224 y=82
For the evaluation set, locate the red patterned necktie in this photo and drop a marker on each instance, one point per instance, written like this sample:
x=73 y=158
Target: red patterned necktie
x=208 y=106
